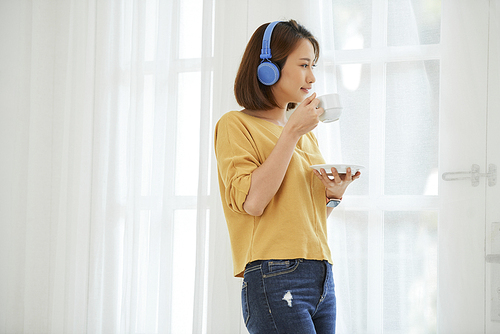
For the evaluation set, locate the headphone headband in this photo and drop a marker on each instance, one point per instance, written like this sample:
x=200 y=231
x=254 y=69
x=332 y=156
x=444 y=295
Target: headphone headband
x=265 y=53
x=268 y=72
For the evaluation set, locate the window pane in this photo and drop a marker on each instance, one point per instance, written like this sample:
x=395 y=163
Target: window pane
x=352 y=24
x=190 y=29
x=410 y=272
x=413 y=22
x=188 y=134
x=350 y=243
x=354 y=90
x=183 y=271
x=411 y=142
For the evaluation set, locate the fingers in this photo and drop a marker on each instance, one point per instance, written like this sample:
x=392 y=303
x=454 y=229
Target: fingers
x=335 y=174
x=336 y=177
x=319 y=111
x=322 y=175
x=348 y=174
x=315 y=103
x=310 y=99
x=336 y=186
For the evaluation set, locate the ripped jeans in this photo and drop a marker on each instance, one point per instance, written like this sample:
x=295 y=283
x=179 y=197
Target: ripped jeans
x=289 y=296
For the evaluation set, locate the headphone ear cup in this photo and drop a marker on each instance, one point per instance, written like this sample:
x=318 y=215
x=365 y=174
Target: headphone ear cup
x=268 y=73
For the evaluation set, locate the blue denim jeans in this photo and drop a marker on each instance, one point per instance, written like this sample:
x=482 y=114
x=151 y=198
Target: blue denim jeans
x=289 y=296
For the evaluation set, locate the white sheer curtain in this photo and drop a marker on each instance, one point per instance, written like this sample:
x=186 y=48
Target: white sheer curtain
x=97 y=227
x=47 y=142
x=110 y=219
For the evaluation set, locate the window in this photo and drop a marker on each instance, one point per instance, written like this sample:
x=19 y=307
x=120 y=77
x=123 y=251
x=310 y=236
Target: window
x=387 y=55
x=387 y=60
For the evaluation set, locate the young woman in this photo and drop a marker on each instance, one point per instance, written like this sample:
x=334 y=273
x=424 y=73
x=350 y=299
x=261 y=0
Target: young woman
x=276 y=206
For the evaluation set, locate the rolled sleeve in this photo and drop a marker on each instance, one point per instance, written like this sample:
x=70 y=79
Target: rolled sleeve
x=236 y=160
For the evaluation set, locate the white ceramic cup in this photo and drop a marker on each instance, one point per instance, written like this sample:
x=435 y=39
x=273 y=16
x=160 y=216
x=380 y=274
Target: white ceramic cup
x=332 y=106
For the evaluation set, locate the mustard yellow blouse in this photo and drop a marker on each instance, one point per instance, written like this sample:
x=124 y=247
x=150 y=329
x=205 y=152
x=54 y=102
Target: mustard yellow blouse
x=293 y=224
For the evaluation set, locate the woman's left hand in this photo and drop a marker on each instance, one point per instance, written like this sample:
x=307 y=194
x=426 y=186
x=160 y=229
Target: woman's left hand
x=336 y=187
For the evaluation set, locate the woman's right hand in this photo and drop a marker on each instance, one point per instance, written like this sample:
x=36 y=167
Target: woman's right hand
x=306 y=117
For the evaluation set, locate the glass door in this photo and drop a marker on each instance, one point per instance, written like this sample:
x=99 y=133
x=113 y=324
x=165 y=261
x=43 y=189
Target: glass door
x=492 y=314
x=469 y=270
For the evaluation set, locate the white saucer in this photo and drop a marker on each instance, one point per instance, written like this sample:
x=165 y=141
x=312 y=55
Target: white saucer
x=341 y=168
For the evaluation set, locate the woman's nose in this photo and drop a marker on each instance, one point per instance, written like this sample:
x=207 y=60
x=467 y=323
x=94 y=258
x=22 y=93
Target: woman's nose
x=311 y=78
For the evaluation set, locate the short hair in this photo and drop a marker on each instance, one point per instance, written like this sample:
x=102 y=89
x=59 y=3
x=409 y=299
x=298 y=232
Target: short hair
x=250 y=93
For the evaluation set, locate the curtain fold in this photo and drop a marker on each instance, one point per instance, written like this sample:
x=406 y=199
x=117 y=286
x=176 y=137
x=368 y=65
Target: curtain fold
x=72 y=199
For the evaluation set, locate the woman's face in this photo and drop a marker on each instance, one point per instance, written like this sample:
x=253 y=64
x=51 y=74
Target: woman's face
x=296 y=76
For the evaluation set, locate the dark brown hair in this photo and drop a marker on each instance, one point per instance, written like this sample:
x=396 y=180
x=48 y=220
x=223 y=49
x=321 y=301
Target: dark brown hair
x=250 y=93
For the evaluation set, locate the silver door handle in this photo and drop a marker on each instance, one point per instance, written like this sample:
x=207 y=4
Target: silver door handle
x=473 y=175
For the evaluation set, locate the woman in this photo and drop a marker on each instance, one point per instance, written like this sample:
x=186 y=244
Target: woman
x=275 y=205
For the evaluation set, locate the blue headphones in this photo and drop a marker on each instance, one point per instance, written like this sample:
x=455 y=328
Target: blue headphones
x=268 y=72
